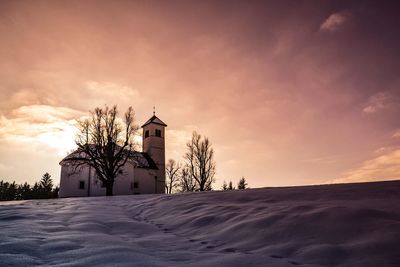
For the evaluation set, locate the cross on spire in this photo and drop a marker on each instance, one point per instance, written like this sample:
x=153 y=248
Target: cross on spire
x=154 y=110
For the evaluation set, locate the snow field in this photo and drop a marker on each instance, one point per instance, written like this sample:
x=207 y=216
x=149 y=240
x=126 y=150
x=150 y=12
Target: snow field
x=330 y=225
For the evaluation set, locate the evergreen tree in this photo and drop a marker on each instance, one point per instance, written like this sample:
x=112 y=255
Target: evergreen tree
x=24 y=191
x=242 y=183
x=231 y=187
x=4 y=191
x=37 y=190
x=54 y=192
x=42 y=189
x=224 y=186
x=46 y=185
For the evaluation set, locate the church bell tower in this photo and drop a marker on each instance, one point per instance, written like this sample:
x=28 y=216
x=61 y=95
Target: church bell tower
x=154 y=146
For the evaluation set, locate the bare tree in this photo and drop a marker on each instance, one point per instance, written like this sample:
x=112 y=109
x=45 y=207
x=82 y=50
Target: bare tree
x=172 y=171
x=186 y=180
x=200 y=159
x=105 y=143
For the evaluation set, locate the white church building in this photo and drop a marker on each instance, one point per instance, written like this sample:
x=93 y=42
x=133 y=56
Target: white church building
x=143 y=173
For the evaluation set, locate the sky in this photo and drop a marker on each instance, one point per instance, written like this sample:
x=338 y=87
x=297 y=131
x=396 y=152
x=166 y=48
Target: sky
x=288 y=92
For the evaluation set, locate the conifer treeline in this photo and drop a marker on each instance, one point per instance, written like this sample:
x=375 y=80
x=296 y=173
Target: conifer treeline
x=40 y=190
x=242 y=184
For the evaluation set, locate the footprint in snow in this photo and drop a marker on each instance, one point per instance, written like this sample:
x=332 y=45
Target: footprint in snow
x=230 y=250
x=276 y=257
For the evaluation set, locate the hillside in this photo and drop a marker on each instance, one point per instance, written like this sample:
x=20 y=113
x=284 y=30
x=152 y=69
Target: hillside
x=335 y=225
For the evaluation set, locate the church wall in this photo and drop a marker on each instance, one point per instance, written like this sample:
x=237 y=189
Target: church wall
x=96 y=188
x=161 y=179
x=124 y=183
x=146 y=181
x=70 y=181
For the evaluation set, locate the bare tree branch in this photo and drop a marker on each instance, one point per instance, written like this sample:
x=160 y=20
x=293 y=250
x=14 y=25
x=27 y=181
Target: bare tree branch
x=200 y=161
x=105 y=144
x=172 y=170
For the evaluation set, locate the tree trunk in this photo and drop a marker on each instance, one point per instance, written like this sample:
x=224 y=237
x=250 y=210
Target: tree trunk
x=109 y=189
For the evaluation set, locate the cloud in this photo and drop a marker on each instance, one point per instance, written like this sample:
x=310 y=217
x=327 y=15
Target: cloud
x=396 y=134
x=321 y=160
x=81 y=95
x=335 y=21
x=25 y=96
x=105 y=90
x=376 y=102
x=176 y=140
x=34 y=138
x=40 y=125
x=381 y=168
x=4 y=167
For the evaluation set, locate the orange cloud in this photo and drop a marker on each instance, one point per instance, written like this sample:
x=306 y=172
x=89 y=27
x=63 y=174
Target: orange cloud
x=381 y=168
x=40 y=124
x=335 y=21
x=376 y=102
x=396 y=134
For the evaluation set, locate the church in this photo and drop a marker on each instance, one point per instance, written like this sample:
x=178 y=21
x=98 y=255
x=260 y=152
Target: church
x=143 y=173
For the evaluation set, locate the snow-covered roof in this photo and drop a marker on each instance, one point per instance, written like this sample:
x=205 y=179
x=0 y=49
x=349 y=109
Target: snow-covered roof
x=155 y=120
x=142 y=159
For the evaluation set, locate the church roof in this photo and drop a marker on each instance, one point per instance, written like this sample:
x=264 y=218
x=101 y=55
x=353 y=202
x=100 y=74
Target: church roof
x=155 y=120
x=142 y=159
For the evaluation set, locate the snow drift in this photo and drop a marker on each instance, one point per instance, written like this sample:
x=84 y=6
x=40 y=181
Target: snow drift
x=334 y=225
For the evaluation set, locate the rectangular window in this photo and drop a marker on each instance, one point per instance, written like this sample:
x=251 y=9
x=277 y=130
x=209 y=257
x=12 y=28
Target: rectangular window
x=136 y=185
x=81 y=185
x=158 y=133
x=146 y=134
